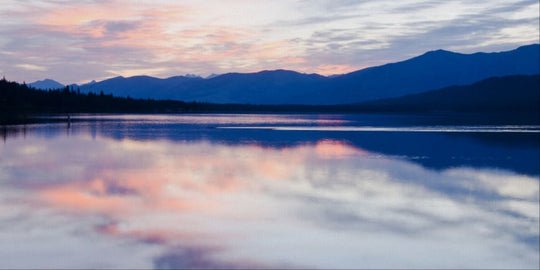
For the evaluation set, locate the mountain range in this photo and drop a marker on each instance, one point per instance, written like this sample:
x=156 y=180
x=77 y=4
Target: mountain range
x=432 y=70
x=516 y=93
x=46 y=84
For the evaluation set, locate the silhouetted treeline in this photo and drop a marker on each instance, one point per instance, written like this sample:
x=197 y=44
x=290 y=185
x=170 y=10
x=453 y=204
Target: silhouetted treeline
x=19 y=102
x=511 y=94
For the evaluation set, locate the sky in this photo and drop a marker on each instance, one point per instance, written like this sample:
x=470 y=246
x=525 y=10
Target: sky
x=84 y=40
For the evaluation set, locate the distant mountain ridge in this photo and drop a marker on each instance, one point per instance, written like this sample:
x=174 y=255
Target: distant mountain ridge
x=138 y=86
x=432 y=70
x=508 y=99
x=46 y=84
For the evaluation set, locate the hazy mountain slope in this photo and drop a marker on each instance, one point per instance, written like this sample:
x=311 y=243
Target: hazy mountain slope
x=499 y=94
x=432 y=70
x=138 y=86
x=46 y=84
x=265 y=87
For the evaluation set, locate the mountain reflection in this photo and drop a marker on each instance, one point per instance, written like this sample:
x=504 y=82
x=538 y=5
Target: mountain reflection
x=518 y=152
x=112 y=197
x=100 y=202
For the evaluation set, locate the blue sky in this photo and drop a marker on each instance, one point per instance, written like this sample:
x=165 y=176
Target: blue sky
x=77 y=41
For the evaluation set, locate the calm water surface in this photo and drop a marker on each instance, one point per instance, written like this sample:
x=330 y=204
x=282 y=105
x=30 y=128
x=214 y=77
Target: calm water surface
x=270 y=191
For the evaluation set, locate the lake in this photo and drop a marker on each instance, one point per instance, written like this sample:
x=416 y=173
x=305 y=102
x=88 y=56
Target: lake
x=269 y=191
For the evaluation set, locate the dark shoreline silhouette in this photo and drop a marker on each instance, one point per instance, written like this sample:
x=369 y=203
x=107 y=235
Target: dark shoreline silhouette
x=511 y=99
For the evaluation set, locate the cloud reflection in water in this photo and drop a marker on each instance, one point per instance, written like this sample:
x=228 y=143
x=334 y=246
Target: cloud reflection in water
x=199 y=204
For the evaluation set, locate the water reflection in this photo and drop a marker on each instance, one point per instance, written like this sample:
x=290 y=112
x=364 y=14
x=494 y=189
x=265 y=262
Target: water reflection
x=95 y=201
x=516 y=151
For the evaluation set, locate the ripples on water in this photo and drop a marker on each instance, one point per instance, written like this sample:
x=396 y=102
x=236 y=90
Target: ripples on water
x=165 y=191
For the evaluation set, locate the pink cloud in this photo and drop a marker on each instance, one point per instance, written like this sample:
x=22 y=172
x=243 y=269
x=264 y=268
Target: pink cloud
x=151 y=38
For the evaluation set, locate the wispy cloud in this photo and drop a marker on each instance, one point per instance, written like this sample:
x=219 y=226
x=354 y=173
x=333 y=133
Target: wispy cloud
x=31 y=67
x=82 y=40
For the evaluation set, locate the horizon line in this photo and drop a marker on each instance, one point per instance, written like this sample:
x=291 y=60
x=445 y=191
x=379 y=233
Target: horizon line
x=188 y=75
